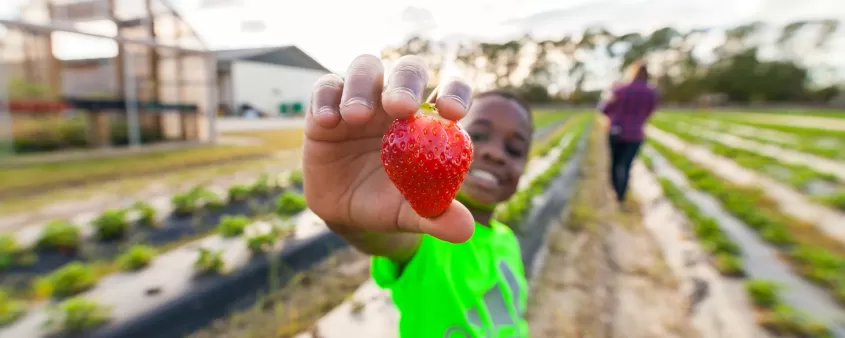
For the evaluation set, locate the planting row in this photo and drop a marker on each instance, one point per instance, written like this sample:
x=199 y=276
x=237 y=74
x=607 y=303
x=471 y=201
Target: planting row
x=726 y=256
x=553 y=140
x=822 y=142
x=72 y=268
x=810 y=252
x=196 y=213
x=514 y=211
x=823 y=187
x=79 y=313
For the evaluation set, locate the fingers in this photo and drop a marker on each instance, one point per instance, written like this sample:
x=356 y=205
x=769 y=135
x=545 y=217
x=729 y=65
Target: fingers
x=325 y=101
x=453 y=98
x=356 y=99
x=364 y=81
x=456 y=225
x=405 y=87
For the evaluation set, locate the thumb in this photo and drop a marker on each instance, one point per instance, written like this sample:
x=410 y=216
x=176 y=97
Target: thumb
x=455 y=225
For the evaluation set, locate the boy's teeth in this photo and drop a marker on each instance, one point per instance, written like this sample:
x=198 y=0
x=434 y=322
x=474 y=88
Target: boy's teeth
x=483 y=175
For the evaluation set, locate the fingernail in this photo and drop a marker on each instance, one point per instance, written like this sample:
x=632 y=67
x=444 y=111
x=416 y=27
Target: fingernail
x=326 y=110
x=408 y=77
x=400 y=94
x=458 y=91
x=457 y=99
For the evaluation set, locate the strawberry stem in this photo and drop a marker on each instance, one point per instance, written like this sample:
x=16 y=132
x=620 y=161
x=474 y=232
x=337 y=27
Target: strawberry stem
x=428 y=109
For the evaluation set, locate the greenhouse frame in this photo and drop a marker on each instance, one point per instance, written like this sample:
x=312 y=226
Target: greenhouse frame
x=81 y=74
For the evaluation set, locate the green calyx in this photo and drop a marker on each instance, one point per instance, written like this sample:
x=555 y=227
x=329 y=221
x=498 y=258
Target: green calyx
x=469 y=202
x=428 y=109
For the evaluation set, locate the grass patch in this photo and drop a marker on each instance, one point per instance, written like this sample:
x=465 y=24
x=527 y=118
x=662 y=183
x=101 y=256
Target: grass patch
x=25 y=179
x=545 y=118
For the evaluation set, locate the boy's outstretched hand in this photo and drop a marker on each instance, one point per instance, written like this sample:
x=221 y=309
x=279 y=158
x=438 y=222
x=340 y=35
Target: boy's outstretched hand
x=345 y=183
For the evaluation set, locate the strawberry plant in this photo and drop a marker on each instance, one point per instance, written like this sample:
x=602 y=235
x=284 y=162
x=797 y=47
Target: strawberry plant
x=146 y=213
x=136 y=258
x=210 y=199
x=779 y=317
x=9 y=250
x=10 y=309
x=290 y=203
x=194 y=199
x=59 y=235
x=262 y=186
x=112 y=224
x=76 y=314
x=70 y=279
x=763 y=293
x=295 y=178
x=231 y=226
x=185 y=203
x=262 y=242
x=239 y=192
x=427 y=158
x=209 y=261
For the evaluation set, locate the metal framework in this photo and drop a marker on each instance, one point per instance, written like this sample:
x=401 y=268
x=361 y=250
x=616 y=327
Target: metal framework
x=144 y=56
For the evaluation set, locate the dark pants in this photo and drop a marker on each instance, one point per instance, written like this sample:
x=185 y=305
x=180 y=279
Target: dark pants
x=622 y=154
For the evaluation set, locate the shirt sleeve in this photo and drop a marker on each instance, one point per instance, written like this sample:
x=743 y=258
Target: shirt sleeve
x=655 y=99
x=611 y=105
x=387 y=274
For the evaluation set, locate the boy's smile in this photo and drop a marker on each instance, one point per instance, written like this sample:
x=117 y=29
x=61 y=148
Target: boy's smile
x=501 y=130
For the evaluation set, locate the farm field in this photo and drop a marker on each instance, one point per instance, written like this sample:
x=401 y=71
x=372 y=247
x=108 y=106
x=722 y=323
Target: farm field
x=766 y=200
x=59 y=259
x=732 y=228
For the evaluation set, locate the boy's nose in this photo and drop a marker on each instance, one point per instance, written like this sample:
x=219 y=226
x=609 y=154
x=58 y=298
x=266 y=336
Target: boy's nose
x=492 y=153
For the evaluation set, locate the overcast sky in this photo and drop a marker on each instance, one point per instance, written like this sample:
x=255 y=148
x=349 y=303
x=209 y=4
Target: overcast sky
x=335 y=31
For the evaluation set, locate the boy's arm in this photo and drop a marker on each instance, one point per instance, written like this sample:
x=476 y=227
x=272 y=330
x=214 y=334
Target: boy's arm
x=399 y=248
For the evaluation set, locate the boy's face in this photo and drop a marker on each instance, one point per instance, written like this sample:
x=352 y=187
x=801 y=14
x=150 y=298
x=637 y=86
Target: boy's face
x=501 y=137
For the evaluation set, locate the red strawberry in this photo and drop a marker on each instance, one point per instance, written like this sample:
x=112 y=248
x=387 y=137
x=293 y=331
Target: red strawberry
x=427 y=158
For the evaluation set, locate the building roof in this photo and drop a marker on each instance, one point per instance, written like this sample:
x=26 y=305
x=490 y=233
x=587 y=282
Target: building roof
x=281 y=55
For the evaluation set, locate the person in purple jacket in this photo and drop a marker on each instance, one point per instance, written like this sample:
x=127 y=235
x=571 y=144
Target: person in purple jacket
x=628 y=109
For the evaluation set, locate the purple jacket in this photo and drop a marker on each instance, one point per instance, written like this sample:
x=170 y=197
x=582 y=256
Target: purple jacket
x=629 y=109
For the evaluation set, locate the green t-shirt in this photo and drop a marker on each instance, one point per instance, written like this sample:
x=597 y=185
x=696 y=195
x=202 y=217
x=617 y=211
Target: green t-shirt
x=473 y=289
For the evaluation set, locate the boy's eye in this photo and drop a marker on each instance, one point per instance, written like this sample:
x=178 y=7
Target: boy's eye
x=514 y=151
x=477 y=137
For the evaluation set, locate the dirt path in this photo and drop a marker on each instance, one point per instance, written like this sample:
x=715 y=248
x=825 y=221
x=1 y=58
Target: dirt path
x=719 y=307
x=605 y=275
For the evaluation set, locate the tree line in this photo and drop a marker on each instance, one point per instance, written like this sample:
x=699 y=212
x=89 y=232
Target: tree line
x=748 y=64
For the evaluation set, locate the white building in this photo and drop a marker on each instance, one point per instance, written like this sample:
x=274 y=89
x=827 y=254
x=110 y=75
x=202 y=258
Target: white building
x=265 y=78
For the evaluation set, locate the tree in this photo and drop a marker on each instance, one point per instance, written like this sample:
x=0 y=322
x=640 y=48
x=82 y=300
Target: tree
x=684 y=71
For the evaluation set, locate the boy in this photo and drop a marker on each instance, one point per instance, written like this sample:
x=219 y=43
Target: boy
x=461 y=274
